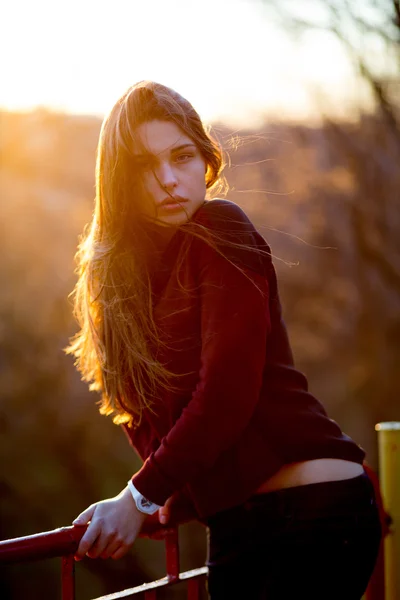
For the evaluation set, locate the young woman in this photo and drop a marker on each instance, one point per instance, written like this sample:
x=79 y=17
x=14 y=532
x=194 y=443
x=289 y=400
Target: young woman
x=182 y=334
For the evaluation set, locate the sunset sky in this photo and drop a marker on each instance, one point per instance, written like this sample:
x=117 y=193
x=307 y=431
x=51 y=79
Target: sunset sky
x=227 y=57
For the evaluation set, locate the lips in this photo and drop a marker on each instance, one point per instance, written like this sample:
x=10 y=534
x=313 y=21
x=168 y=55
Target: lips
x=173 y=201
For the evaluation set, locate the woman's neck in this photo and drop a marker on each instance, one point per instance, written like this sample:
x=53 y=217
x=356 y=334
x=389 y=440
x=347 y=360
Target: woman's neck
x=162 y=235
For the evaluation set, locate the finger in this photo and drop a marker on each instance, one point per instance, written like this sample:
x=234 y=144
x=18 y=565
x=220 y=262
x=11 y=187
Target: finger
x=92 y=532
x=84 y=517
x=105 y=545
x=99 y=546
x=164 y=512
x=112 y=547
x=163 y=515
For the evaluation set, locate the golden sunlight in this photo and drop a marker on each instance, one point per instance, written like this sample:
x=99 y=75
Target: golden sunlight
x=227 y=58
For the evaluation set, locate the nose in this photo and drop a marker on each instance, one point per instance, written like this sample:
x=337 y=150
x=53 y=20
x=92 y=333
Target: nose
x=166 y=177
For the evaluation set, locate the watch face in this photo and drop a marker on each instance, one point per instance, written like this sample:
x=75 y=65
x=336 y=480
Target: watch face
x=144 y=503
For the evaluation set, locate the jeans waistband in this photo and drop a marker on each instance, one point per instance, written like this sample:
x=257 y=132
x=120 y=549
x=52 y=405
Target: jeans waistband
x=345 y=492
x=357 y=489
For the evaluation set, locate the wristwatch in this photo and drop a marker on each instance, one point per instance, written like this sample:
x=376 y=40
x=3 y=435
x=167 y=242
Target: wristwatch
x=142 y=504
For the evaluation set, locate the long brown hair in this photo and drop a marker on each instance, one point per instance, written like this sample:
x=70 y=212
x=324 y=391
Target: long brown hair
x=115 y=348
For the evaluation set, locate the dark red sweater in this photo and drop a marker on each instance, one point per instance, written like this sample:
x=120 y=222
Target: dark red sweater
x=241 y=410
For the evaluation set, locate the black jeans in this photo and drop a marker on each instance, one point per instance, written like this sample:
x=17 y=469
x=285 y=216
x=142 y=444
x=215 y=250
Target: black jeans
x=317 y=542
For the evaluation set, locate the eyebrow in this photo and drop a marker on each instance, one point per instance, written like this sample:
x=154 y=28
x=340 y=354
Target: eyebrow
x=174 y=149
x=183 y=146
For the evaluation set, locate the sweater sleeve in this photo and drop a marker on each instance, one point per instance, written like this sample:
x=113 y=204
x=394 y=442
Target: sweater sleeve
x=235 y=324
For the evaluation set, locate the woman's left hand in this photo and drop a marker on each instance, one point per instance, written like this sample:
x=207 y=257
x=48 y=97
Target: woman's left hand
x=114 y=525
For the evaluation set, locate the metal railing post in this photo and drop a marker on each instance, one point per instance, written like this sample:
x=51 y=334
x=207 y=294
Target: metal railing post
x=68 y=577
x=172 y=554
x=194 y=588
x=389 y=475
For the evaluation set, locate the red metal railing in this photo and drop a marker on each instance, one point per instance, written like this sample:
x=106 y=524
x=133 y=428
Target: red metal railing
x=64 y=542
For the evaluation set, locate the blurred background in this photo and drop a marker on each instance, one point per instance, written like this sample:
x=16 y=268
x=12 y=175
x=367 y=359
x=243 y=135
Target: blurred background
x=305 y=97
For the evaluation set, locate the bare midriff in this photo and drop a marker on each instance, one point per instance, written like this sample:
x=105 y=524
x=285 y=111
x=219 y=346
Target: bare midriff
x=311 y=471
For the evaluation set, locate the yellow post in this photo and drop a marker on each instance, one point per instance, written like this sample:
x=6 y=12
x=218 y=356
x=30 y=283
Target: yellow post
x=389 y=476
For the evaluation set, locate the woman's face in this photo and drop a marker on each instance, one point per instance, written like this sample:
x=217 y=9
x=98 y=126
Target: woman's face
x=173 y=172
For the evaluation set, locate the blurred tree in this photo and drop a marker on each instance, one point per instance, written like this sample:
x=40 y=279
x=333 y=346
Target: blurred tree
x=360 y=206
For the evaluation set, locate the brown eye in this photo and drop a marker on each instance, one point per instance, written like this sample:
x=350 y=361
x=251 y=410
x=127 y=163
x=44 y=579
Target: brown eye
x=181 y=158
